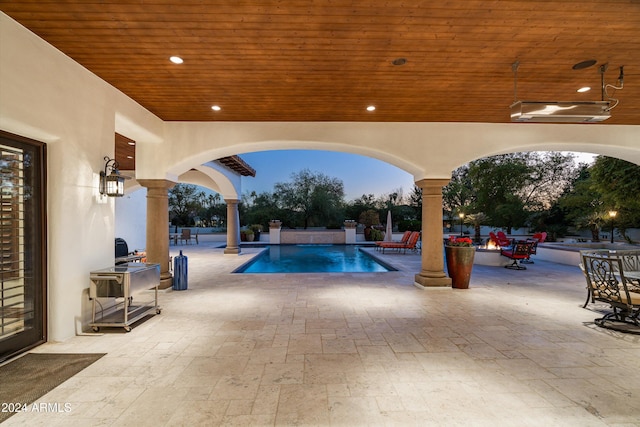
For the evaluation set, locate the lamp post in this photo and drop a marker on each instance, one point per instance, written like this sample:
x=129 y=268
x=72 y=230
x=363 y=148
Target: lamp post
x=461 y=215
x=612 y=215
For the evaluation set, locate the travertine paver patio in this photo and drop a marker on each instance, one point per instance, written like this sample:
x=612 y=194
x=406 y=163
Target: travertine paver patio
x=516 y=349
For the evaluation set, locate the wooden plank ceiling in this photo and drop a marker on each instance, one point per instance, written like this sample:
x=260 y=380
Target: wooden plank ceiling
x=327 y=60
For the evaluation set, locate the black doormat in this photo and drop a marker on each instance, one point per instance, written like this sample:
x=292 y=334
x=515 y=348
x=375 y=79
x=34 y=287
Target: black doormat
x=31 y=376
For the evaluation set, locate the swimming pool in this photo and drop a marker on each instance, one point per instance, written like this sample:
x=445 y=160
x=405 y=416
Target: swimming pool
x=314 y=259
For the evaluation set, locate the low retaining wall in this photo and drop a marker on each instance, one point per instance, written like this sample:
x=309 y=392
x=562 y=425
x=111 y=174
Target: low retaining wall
x=569 y=253
x=558 y=254
x=316 y=237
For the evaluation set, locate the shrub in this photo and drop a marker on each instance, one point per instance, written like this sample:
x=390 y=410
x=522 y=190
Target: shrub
x=409 y=225
x=376 y=235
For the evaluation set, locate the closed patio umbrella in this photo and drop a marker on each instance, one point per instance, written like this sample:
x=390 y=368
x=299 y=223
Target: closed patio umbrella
x=388 y=235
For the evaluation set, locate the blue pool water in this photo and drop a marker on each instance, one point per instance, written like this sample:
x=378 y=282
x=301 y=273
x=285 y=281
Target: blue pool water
x=313 y=259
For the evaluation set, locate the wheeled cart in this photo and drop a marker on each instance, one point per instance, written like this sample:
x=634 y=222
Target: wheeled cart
x=124 y=282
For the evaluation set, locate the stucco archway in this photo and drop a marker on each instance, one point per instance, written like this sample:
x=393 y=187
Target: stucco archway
x=425 y=150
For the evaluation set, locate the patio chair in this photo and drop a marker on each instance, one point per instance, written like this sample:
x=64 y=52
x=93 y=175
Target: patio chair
x=410 y=244
x=503 y=240
x=533 y=249
x=540 y=237
x=195 y=236
x=607 y=283
x=589 y=294
x=630 y=265
x=185 y=235
x=518 y=252
x=404 y=239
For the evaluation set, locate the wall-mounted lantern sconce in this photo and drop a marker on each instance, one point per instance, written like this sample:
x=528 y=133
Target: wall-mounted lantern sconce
x=112 y=184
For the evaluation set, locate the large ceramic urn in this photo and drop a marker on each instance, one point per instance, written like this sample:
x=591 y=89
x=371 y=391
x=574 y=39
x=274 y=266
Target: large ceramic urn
x=460 y=264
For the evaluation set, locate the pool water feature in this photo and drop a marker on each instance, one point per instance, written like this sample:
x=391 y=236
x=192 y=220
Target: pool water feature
x=314 y=259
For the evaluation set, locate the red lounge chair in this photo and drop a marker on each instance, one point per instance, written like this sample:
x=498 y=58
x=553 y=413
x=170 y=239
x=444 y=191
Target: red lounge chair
x=520 y=251
x=409 y=244
x=503 y=240
x=405 y=238
x=540 y=237
x=493 y=238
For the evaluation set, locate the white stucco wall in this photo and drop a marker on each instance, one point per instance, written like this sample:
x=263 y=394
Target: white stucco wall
x=131 y=219
x=46 y=96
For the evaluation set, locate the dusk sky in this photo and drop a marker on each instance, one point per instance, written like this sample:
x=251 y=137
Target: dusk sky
x=359 y=174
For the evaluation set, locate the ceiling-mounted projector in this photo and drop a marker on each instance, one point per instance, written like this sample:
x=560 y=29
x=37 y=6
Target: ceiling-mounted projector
x=560 y=111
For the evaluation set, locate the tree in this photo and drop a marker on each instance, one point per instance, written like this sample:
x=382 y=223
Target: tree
x=184 y=202
x=415 y=202
x=459 y=192
x=260 y=209
x=582 y=203
x=618 y=181
x=548 y=175
x=363 y=203
x=313 y=198
x=476 y=220
x=508 y=188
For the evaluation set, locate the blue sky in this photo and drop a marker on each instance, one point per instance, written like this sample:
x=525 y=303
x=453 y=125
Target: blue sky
x=359 y=174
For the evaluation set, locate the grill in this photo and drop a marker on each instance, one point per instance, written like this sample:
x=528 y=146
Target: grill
x=122 y=253
x=120 y=284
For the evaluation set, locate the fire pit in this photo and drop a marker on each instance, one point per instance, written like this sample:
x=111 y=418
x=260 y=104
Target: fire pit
x=489 y=255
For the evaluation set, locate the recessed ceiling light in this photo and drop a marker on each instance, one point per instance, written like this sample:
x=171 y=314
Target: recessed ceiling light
x=129 y=157
x=176 y=60
x=131 y=143
x=584 y=89
x=371 y=108
x=584 y=64
x=216 y=108
x=399 y=61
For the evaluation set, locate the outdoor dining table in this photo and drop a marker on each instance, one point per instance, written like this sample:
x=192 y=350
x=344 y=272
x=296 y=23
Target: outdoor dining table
x=174 y=237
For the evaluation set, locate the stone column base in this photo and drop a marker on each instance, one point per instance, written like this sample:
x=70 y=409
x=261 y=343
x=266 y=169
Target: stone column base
x=424 y=282
x=232 y=251
x=165 y=282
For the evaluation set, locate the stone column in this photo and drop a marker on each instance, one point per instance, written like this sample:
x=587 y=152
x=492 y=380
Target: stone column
x=275 y=225
x=158 y=226
x=350 y=231
x=432 y=273
x=233 y=228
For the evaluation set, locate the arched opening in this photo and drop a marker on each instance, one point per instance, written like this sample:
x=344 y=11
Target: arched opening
x=429 y=152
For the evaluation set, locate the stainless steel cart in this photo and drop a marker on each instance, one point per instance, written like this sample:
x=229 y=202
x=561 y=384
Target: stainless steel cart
x=124 y=281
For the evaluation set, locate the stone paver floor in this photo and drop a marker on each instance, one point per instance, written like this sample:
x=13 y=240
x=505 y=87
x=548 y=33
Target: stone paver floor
x=516 y=349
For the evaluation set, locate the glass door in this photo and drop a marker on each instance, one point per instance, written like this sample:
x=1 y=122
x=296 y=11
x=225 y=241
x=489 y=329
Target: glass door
x=22 y=245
